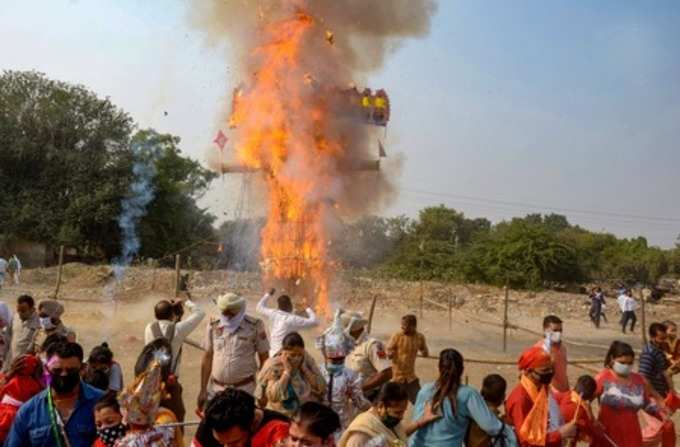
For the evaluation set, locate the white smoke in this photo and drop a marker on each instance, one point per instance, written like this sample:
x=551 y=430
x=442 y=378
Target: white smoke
x=133 y=209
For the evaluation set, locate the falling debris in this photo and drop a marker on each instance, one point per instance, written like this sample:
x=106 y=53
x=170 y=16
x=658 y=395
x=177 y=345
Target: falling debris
x=311 y=147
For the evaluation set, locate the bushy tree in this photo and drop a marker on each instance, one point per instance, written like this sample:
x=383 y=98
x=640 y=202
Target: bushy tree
x=65 y=162
x=173 y=220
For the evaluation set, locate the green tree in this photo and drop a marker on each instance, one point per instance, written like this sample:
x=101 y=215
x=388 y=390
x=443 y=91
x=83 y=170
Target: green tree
x=65 y=163
x=173 y=220
x=523 y=253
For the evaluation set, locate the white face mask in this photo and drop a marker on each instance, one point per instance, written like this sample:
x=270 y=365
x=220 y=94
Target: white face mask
x=554 y=337
x=622 y=369
x=46 y=323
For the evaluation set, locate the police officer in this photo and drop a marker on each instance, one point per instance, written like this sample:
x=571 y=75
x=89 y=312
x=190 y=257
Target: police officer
x=231 y=344
x=369 y=358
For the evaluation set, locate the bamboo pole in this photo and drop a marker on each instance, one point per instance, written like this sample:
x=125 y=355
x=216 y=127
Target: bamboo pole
x=505 y=318
x=643 y=317
x=450 y=313
x=370 y=314
x=178 y=265
x=59 y=272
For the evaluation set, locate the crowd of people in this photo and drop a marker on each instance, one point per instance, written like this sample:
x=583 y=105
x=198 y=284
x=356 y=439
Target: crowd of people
x=264 y=390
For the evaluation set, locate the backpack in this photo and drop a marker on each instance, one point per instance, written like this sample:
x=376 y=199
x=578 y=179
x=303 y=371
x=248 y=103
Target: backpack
x=169 y=336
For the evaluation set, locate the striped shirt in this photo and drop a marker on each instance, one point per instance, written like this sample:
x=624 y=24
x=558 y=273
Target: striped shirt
x=653 y=365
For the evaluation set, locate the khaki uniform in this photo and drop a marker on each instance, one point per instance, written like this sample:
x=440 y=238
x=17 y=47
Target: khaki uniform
x=233 y=361
x=26 y=335
x=41 y=335
x=368 y=358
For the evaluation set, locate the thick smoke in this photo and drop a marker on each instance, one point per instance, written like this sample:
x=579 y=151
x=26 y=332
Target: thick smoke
x=340 y=46
x=365 y=31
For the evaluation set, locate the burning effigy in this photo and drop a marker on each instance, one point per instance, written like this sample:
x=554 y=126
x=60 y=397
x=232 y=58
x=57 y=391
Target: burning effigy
x=299 y=122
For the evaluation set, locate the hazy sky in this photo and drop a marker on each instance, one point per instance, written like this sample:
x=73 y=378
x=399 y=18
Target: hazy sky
x=506 y=108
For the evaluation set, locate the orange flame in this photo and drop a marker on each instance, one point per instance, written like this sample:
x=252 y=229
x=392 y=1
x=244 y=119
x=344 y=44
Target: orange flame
x=282 y=129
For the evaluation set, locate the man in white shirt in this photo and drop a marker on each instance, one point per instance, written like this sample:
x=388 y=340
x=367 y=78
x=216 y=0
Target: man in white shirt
x=169 y=326
x=283 y=321
x=627 y=304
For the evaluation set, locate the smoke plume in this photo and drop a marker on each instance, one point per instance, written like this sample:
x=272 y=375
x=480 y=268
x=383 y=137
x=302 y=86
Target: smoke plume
x=297 y=60
x=133 y=208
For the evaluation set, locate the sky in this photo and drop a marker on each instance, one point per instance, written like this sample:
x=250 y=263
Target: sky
x=504 y=109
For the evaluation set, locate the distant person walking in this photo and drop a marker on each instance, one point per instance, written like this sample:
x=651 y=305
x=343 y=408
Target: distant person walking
x=283 y=321
x=628 y=305
x=3 y=271
x=14 y=270
x=597 y=304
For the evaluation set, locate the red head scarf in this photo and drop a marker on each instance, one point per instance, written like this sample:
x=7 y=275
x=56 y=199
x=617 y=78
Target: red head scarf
x=533 y=358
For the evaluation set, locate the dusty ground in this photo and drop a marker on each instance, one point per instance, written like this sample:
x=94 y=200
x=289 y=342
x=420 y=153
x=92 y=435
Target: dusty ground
x=118 y=314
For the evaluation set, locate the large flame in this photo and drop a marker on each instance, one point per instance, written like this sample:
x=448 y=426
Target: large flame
x=282 y=128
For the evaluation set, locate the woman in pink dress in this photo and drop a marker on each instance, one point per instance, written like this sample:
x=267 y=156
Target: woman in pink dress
x=622 y=394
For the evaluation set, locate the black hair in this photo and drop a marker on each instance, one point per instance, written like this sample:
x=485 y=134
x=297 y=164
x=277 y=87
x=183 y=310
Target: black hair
x=448 y=382
x=656 y=328
x=494 y=387
x=320 y=420
x=618 y=349
x=101 y=354
x=163 y=310
x=669 y=323
x=68 y=350
x=51 y=342
x=586 y=387
x=410 y=319
x=551 y=319
x=97 y=378
x=108 y=400
x=292 y=340
x=285 y=303
x=230 y=408
x=147 y=356
x=391 y=393
x=26 y=299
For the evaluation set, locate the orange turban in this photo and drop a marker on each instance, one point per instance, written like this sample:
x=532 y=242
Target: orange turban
x=533 y=358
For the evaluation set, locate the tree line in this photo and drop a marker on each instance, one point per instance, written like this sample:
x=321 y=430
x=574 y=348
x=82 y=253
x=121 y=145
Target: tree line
x=66 y=165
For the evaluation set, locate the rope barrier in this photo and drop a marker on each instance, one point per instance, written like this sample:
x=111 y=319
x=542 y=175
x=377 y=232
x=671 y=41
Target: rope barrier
x=576 y=362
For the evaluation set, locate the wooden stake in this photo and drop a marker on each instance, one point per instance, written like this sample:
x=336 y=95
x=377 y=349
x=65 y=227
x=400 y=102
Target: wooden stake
x=59 y=272
x=178 y=264
x=505 y=318
x=450 y=313
x=643 y=318
x=370 y=314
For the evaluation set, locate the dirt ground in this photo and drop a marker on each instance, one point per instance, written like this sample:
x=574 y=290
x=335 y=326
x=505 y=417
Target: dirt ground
x=99 y=310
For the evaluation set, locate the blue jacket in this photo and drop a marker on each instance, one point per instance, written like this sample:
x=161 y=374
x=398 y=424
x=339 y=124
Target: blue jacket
x=32 y=426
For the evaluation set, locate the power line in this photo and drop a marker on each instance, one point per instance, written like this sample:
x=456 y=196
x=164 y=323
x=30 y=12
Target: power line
x=545 y=207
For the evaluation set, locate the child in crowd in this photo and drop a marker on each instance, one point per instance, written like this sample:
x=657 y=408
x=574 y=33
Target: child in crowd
x=101 y=358
x=109 y=421
x=23 y=382
x=343 y=393
x=493 y=391
x=141 y=409
x=575 y=406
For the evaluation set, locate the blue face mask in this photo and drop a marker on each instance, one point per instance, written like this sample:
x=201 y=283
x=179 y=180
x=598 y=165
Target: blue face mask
x=333 y=368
